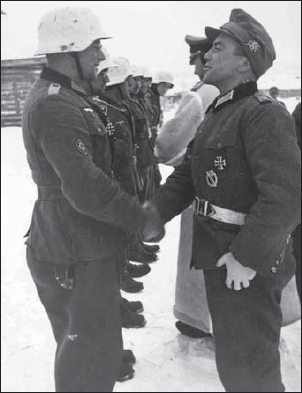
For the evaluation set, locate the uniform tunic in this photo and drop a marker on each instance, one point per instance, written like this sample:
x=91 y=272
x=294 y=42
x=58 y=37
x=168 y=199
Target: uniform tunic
x=244 y=158
x=144 y=152
x=121 y=131
x=79 y=229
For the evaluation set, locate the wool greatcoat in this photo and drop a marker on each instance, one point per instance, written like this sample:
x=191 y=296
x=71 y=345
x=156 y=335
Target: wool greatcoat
x=244 y=158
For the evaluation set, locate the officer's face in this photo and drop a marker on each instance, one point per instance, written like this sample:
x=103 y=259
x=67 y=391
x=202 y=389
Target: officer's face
x=222 y=64
x=90 y=58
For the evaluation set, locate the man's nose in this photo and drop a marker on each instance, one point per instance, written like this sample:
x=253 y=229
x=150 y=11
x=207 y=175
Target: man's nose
x=207 y=55
x=102 y=57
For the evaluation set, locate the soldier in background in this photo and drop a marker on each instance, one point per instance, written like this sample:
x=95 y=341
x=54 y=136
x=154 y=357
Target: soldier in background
x=145 y=159
x=274 y=93
x=244 y=171
x=121 y=131
x=161 y=83
x=191 y=306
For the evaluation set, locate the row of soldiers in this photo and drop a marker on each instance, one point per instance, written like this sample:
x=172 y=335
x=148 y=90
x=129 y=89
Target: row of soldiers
x=128 y=102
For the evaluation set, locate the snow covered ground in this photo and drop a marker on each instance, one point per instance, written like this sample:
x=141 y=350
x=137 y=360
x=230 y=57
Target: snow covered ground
x=166 y=360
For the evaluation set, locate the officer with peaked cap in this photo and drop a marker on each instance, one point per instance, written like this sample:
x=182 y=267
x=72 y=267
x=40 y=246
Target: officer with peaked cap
x=191 y=306
x=198 y=45
x=81 y=219
x=244 y=171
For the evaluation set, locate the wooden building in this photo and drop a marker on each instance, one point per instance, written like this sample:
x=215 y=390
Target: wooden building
x=17 y=77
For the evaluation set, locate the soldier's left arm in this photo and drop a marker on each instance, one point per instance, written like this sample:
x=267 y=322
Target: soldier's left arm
x=274 y=159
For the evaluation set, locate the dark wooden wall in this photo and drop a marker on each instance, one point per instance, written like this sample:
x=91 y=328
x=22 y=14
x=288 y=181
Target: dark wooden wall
x=17 y=77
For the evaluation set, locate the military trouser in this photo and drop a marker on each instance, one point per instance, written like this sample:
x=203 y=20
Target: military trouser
x=85 y=321
x=246 y=328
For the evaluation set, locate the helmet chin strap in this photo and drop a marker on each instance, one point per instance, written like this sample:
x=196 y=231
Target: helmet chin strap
x=75 y=55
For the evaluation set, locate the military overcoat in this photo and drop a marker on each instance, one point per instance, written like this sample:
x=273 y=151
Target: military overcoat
x=244 y=158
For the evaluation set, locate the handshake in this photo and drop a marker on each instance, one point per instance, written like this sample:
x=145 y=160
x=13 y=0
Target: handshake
x=153 y=229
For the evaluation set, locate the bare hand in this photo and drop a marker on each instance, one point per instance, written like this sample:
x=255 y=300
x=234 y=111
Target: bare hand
x=237 y=274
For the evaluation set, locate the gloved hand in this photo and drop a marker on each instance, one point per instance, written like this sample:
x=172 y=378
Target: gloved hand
x=153 y=229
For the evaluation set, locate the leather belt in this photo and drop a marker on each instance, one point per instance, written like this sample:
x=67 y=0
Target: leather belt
x=47 y=193
x=207 y=209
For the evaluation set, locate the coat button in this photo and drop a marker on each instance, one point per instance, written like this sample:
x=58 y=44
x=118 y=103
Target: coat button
x=274 y=269
x=277 y=263
x=219 y=145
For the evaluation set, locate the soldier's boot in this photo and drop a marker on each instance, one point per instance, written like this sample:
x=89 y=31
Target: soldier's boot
x=140 y=270
x=134 y=306
x=151 y=247
x=128 y=356
x=138 y=254
x=126 y=372
x=191 y=331
x=128 y=284
x=131 y=319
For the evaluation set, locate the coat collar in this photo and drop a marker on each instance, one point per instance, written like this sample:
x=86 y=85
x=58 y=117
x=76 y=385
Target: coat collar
x=56 y=77
x=241 y=91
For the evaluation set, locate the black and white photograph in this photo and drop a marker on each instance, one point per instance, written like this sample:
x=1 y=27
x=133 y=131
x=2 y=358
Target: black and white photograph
x=151 y=196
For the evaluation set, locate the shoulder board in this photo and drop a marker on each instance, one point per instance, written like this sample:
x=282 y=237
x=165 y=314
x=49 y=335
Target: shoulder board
x=262 y=98
x=54 y=89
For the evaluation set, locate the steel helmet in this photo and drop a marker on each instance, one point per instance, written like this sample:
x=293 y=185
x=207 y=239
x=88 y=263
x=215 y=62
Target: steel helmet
x=119 y=73
x=146 y=72
x=163 y=76
x=70 y=29
x=107 y=63
x=137 y=71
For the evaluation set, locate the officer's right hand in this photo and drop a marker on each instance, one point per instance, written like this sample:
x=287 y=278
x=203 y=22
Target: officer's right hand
x=153 y=229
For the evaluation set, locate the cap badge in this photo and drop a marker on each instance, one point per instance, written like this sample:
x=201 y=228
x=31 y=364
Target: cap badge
x=253 y=45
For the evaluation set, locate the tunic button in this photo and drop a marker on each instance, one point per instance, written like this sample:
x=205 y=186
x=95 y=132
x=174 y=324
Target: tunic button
x=219 y=145
x=274 y=269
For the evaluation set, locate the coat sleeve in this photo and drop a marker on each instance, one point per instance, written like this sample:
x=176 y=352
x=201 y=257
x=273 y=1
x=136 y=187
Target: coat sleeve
x=64 y=138
x=178 y=192
x=176 y=134
x=274 y=159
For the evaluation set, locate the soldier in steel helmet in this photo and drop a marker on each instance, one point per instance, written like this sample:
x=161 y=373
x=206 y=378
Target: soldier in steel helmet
x=81 y=219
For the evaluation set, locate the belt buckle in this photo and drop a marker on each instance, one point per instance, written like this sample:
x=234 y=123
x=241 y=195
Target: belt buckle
x=207 y=208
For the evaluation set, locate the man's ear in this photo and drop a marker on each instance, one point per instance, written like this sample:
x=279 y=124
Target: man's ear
x=245 y=65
